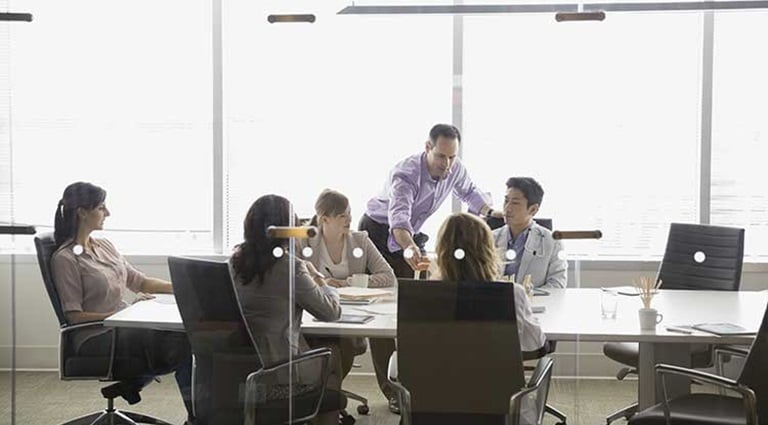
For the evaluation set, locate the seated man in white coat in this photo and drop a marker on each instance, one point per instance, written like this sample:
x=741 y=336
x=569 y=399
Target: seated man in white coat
x=526 y=247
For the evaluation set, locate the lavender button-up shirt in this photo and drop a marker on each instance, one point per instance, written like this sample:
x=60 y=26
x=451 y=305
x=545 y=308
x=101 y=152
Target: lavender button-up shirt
x=410 y=195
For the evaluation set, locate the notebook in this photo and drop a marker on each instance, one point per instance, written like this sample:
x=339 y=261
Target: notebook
x=357 y=319
x=723 y=329
x=366 y=301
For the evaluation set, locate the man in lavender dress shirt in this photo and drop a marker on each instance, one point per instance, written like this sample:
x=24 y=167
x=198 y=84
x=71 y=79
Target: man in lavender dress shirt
x=415 y=189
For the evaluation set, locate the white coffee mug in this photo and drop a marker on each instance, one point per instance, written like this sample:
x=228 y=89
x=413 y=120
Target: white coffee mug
x=649 y=318
x=359 y=280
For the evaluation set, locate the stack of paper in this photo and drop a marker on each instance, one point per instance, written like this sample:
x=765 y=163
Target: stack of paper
x=355 y=293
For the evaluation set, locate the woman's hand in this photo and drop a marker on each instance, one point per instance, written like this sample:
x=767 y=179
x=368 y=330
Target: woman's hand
x=141 y=296
x=337 y=283
x=316 y=276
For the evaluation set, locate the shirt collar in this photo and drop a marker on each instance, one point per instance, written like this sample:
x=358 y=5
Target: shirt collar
x=524 y=232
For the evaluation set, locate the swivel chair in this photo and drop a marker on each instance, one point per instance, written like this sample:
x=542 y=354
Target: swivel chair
x=73 y=366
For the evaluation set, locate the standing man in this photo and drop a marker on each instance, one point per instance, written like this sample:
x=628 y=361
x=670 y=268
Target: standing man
x=415 y=189
x=530 y=248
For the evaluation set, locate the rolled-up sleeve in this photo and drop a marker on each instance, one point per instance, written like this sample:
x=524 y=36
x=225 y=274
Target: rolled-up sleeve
x=465 y=190
x=381 y=272
x=133 y=277
x=69 y=284
x=401 y=201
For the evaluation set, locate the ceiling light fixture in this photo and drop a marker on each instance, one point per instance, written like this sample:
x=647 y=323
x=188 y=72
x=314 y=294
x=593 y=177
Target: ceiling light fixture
x=15 y=17
x=309 y=18
x=579 y=16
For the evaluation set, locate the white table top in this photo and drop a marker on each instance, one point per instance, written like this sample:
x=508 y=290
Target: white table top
x=574 y=315
x=158 y=313
x=571 y=315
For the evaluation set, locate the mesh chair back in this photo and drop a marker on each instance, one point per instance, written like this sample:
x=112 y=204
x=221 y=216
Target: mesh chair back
x=723 y=249
x=755 y=370
x=45 y=245
x=458 y=349
x=222 y=346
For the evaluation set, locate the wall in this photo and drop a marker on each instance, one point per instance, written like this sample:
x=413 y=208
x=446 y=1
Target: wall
x=37 y=329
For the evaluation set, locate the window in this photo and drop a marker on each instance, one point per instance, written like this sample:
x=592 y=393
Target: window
x=739 y=128
x=332 y=104
x=604 y=114
x=106 y=92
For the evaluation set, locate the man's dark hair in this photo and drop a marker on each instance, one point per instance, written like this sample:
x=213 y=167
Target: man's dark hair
x=446 y=130
x=531 y=189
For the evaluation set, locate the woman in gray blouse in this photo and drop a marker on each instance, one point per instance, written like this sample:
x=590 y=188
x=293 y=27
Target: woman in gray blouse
x=261 y=268
x=92 y=278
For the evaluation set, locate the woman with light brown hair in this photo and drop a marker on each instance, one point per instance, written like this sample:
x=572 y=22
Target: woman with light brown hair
x=466 y=252
x=339 y=253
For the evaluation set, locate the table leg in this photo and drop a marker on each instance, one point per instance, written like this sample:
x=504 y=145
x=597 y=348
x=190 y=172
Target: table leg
x=652 y=353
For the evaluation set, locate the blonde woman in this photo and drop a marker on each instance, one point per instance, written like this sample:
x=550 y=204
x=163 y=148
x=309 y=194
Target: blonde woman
x=338 y=253
x=480 y=262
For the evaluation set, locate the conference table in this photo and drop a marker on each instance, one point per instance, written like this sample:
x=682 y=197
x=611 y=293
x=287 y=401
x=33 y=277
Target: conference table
x=571 y=314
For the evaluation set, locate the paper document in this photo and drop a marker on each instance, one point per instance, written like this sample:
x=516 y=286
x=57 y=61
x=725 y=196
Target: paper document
x=355 y=293
x=723 y=329
x=164 y=299
x=357 y=319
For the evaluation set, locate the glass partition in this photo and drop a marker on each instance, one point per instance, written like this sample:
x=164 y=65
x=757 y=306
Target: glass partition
x=607 y=116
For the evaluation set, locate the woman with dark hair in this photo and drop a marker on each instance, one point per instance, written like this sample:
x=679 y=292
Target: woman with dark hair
x=261 y=269
x=91 y=279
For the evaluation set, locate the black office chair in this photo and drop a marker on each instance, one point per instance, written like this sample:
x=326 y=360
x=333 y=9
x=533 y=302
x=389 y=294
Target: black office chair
x=73 y=366
x=458 y=359
x=750 y=408
x=495 y=222
x=723 y=249
x=230 y=383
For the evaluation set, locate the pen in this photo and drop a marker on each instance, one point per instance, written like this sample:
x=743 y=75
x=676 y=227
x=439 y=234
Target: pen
x=679 y=330
x=329 y=272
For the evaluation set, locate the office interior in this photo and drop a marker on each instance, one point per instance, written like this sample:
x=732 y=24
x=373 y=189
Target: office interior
x=187 y=111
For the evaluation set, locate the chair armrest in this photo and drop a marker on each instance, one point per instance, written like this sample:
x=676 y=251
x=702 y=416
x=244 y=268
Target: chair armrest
x=666 y=369
x=405 y=395
x=83 y=325
x=542 y=371
x=305 y=356
x=254 y=394
x=538 y=384
x=750 y=401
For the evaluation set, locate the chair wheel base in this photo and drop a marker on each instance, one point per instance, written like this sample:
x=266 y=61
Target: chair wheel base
x=347 y=420
x=363 y=409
